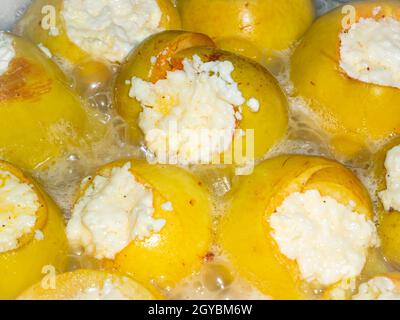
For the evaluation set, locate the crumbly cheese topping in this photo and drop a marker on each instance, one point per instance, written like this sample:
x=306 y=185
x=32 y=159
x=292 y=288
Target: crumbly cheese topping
x=110 y=29
x=113 y=211
x=328 y=240
x=190 y=117
x=391 y=196
x=370 y=51
x=18 y=210
x=253 y=105
x=109 y=291
x=378 y=288
x=7 y=52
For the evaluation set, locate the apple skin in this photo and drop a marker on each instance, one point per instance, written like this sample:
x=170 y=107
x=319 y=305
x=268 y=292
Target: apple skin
x=354 y=113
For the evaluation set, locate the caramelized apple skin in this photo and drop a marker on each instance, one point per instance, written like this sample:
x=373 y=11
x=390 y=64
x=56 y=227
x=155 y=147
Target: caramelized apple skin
x=245 y=234
x=353 y=112
x=252 y=28
x=26 y=265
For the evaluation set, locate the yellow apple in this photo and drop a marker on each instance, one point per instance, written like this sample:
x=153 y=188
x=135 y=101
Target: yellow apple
x=25 y=265
x=245 y=234
x=389 y=222
x=40 y=116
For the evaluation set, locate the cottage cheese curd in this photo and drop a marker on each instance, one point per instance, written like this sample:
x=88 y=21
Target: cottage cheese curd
x=18 y=210
x=7 y=52
x=378 y=288
x=391 y=196
x=113 y=211
x=370 y=51
x=167 y=206
x=110 y=28
x=190 y=117
x=328 y=240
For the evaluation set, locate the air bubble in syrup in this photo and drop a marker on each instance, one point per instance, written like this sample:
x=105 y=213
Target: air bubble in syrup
x=217 y=277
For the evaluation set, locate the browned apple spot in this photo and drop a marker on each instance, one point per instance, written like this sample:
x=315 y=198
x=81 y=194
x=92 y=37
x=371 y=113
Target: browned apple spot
x=166 y=61
x=24 y=80
x=209 y=257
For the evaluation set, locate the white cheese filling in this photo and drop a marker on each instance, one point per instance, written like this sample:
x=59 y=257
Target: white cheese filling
x=328 y=240
x=378 y=288
x=7 y=52
x=190 y=117
x=110 y=29
x=113 y=211
x=370 y=51
x=391 y=196
x=109 y=291
x=18 y=210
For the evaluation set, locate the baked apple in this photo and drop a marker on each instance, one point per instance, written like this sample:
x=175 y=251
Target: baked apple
x=190 y=103
x=32 y=232
x=297 y=224
x=387 y=174
x=381 y=287
x=79 y=30
x=152 y=222
x=40 y=116
x=252 y=28
x=345 y=68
